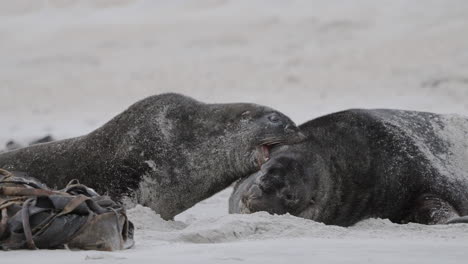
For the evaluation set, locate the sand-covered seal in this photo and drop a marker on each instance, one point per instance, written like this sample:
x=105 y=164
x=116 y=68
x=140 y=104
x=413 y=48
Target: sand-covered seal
x=167 y=151
x=406 y=166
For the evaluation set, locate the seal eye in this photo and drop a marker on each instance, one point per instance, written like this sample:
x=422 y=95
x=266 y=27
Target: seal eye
x=246 y=113
x=274 y=118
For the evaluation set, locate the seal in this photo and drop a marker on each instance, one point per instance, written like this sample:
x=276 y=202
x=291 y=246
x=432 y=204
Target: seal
x=167 y=151
x=406 y=166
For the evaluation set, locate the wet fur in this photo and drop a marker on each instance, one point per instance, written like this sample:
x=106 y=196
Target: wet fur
x=360 y=164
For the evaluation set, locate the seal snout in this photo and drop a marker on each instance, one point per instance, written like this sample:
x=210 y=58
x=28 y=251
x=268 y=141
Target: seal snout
x=261 y=195
x=294 y=135
x=279 y=187
x=251 y=198
x=277 y=130
x=291 y=129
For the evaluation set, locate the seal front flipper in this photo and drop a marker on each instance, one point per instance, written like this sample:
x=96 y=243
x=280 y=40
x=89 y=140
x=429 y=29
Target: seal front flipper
x=430 y=209
x=459 y=220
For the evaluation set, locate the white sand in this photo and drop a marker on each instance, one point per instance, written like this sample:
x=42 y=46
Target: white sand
x=67 y=66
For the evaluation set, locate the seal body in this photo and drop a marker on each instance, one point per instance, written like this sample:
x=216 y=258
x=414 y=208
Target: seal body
x=406 y=166
x=167 y=152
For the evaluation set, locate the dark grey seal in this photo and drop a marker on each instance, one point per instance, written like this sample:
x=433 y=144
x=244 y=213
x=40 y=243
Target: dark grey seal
x=402 y=165
x=167 y=151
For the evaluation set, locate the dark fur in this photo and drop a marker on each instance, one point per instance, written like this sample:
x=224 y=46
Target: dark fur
x=403 y=165
x=167 y=151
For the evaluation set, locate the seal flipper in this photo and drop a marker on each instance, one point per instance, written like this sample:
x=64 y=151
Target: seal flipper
x=458 y=220
x=431 y=210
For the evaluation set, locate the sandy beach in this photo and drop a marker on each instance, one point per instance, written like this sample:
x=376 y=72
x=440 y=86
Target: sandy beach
x=68 y=66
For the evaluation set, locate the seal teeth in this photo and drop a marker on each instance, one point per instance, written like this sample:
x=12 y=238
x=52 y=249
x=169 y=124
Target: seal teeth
x=263 y=154
x=266 y=152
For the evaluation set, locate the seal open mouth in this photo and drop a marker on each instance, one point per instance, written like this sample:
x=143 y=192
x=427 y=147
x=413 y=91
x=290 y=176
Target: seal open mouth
x=267 y=145
x=264 y=150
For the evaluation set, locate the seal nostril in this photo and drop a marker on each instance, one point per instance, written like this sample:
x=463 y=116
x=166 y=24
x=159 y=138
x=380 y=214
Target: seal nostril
x=288 y=195
x=266 y=188
x=291 y=128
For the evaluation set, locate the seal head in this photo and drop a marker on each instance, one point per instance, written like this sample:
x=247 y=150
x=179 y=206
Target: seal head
x=281 y=186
